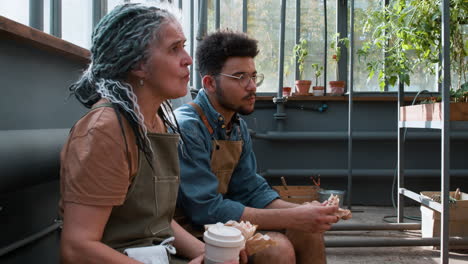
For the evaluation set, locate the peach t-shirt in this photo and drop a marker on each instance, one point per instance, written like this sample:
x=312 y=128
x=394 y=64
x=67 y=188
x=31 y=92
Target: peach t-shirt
x=94 y=164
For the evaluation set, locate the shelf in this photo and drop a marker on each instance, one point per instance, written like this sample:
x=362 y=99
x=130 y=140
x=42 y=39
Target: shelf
x=460 y=125
x=10 y=29
x=420 y=124
x=421 y=199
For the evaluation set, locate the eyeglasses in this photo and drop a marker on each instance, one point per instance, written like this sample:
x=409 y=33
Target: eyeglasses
x=244 y=78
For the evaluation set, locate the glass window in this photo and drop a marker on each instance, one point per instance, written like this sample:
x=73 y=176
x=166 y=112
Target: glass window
x=111 y=4
x=17 y=10
x=289 y=69
x=420 y=79
x=312 y=29
x=331 y=31
x=263 y=23
x=231 y=14
x=47 y=16
x=361 y=81
x=77 y=22
x=211 y=16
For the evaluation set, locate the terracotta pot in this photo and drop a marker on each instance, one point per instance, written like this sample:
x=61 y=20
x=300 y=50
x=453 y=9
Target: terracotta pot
x=303 y=86
x=318 y=90
x=287 y=91
x=337 y=87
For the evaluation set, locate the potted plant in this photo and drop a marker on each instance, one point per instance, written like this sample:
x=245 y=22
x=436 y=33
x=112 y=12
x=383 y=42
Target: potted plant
x=300 y=52
x=337 y=87
x=287 y=89
x=317 y=90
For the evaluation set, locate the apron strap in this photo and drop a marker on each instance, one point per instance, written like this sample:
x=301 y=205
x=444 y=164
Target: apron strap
x=202 y=116
x=119 y=118
x=102 y=105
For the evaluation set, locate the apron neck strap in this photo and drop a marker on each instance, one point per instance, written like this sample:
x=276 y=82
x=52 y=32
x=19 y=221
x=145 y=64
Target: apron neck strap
x=202 y=116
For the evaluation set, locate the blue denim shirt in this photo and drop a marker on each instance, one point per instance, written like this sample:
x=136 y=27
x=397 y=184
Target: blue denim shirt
x=198 y=194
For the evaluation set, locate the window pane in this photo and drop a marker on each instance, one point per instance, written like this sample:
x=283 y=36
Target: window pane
x=17 y=10
x=331 y=31
x=312 y=29
x=421 y=79
x=460 y=76
x=211 y=16
x=289 y=72
x=361 y=82
x=264 y=25
x=111 y=4
x=231 y=14
x=263 y=22
x=77 y=22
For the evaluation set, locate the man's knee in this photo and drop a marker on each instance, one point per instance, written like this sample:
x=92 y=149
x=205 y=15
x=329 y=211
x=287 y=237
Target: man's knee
x=282 y=252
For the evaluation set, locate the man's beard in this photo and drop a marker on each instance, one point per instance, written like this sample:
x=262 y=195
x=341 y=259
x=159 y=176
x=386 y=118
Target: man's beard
x=226 y=105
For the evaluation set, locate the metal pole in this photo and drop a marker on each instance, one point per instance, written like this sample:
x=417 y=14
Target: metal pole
x=56 y=18
x=325 y=46
x=280 y=114
x=99 y=10
x=393 y=242
x=365 y=227
x=202 y=28
x=298 y=34
x=342 y=28
x=192 y=40
x=180 y=4
x=30 y=239
x=36 y=14
x=373 y=173
x=386 y=3
x=350 y=108
x=217 y=14
x=281 y=48
x=401 y=154
x=445 y=153
x=244 y=16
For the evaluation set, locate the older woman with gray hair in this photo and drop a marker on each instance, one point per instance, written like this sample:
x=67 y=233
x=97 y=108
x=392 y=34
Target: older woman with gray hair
x=119 y=167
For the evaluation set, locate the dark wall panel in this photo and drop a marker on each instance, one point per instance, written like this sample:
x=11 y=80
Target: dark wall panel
x=34 y=88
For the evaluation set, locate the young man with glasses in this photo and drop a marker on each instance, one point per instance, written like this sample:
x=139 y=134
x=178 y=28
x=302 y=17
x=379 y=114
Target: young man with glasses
x=218 y=167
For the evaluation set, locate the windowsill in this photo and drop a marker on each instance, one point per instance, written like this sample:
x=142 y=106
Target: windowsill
x=364 y=96
x=337 y=98
x=10 y=29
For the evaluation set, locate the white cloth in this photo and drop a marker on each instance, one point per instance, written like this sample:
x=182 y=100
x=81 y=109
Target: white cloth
x=152 y=254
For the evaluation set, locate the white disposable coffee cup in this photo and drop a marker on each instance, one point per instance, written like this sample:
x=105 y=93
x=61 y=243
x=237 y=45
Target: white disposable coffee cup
x=222 y=243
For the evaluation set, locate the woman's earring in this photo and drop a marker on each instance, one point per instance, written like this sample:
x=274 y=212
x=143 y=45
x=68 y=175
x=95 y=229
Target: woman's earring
x=141 y=82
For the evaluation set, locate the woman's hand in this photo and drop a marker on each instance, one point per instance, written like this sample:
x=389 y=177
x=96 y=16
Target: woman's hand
x=242 y=256
x=197 y=260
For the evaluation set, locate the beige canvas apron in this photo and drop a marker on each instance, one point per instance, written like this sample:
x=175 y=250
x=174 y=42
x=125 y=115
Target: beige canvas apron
x=224 y=159
x=144 y=218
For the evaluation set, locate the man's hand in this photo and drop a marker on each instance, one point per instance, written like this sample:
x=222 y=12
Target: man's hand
x=313 y=217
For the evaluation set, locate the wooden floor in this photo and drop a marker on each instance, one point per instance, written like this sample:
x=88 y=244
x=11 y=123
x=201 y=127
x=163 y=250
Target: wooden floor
x=384 y=255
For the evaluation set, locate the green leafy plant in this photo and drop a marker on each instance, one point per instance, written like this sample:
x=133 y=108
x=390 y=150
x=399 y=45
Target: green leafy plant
x=300 y=52
x=408 y=33
x=459 y=95
x=317 y=72
x=336 y=45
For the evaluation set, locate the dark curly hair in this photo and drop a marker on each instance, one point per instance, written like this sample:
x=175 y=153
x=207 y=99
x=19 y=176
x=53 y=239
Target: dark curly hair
x=216 y=48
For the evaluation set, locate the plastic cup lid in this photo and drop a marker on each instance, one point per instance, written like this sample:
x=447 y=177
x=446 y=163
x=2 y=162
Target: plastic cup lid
x=223 y=236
